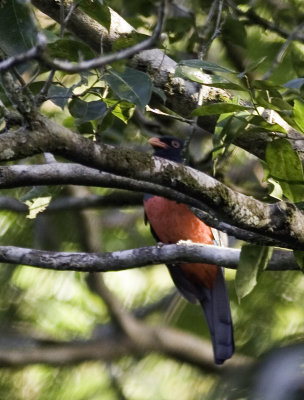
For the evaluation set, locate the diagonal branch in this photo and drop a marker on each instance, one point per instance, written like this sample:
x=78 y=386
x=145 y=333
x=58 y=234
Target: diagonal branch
x=254 y=19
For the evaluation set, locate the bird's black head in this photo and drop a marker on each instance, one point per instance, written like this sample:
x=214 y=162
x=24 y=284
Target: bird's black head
x=168 y=147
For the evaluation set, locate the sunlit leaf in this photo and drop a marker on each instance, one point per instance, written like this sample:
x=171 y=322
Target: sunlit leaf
x=130 y=85
x=276 y=191
x=253 y=261
x=298 y=113
x=37 y=205
x=285 y=167
x=122 y=109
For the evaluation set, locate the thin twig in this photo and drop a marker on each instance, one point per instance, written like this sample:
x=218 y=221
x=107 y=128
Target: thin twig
x=216 y=32
x=38 y=53
x=255 y=19
x=279 y=57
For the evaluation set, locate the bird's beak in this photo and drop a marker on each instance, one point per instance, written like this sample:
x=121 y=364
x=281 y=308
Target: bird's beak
x=156 y=142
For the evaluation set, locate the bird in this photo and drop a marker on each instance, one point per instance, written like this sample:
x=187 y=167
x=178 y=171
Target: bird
x=171 y=222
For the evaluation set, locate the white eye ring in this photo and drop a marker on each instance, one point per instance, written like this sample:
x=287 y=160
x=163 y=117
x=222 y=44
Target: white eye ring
x=175 y=144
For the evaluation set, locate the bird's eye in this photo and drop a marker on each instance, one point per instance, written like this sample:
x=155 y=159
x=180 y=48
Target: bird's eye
x=175 y=144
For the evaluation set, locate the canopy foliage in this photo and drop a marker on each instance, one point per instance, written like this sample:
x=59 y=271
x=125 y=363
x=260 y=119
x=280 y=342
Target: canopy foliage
x=83 y=85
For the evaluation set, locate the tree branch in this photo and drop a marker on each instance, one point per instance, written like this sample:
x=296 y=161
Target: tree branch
x=254 y=19
x=112 y=345
x=139 y=257
x=76 y=174
x=181 y=95
x=86 y=28
x=280 y=221
x=38 y=53
x=116 y=199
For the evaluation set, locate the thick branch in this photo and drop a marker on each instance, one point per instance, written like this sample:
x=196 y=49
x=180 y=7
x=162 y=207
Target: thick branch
x=84 y=27
x=76 y=174
x=134 y=258
x=182 y=96
x=281 y=221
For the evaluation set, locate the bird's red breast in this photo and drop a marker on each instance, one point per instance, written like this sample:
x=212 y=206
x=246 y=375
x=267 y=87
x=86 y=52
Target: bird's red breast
x=171 y=222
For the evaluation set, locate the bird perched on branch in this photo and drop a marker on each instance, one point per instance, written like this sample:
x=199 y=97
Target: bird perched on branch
x=171 y=222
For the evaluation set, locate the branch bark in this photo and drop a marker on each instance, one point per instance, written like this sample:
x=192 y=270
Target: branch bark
x=282 y=222
x=139 y=257
x=182 y=96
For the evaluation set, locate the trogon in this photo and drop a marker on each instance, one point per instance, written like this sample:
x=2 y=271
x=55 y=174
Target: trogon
x=171 y=222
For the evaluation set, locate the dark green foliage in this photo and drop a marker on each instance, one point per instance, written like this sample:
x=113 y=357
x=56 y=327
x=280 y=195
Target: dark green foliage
x=262 y=92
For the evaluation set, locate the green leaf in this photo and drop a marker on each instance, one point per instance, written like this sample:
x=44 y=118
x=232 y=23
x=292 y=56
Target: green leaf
x=122 y=110
x=177 y=26
x=73 y=50
x=299 y=256
x=233 y=30
x=253 y=261
x=127 y=41
x=206 y=65
x=218 y=108
x=87 y=111
x=274 y=103
x=261 y=123
x=160 y=93
x=85 y=128
x=130 y=85
x=253 y=66
x=18 y=30
x=285 y=167
x=60 y=95
x=197 y=75
x=264 y=85
x=298 y=113
x=98 y=11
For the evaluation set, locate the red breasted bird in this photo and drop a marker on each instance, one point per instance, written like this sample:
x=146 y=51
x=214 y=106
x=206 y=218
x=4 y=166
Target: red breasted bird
x=170 y=222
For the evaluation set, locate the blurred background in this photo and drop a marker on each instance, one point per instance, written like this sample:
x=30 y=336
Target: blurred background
x=58 y=338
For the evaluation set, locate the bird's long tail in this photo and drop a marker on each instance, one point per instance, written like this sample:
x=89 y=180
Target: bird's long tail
x=215 y=303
